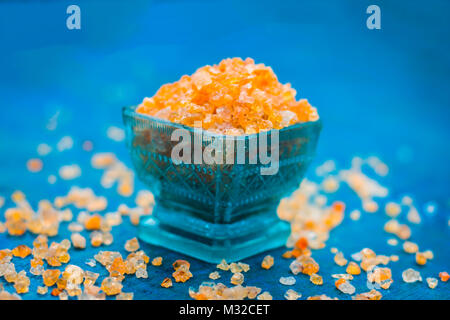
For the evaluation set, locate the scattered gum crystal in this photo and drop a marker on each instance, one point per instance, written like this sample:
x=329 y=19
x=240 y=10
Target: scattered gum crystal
x=267 y=262
x=355 y=215
x=115 y=133
x=181 y=264
x=223 y=265
x=432 y=282
x=392 y=242
x=392 y=209
x=214 y=275
x=345 y=287
x=90 y=278
x=421 y=258
x=65 y=143
x=43 y=149
x=87 y=146
x=287 y=281
x=339 y=259
x=145 y=199
x=219 y=291
x=35 y=165
x=353 y=268
x=344 y=276
x=244 y=266
x=93 y=222
x=321 y=297
x=428 y=254
x=69 y=172
x=237 y=278
x=410 y=247
x=444 y=276
x=370 y=206
x=410 y=275
x=91 y=262
x=381 y=276
x=78 y=240
x=50 y=276
x=96 y=238
x=234 y=267
x=183 y=274
x=125 y=296
x=330 y=184
x=316 y=279
x=103 y=160
x=235 y=97
x=111 y=286
x=394 y=258
x=371 y=295
x=166 y=283
x=107 y=238
x=264 y=296
x=42 y=290
x=413 y=215
x=292 y=295
x=21 y=251
x=157 y=261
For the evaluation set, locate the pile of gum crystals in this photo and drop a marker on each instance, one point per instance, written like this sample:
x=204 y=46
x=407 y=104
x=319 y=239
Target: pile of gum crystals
x=235 y=97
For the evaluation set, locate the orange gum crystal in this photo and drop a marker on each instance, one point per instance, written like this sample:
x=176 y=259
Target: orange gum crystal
x=234 y=97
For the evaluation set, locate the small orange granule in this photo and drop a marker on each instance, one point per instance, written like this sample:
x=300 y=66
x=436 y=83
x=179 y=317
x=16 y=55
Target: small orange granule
x=234 y=97
x=420 y=258
x=177 y=264
x=36 y=262
x=353 y=268
x=21 y=251
x=444 y=276
x=339 y=282
x=267 y=262
x=309 y=265
x=167 y=283
x=55 y=292
x=111 y=286
x=117 y=265
x=93 y=223
x=34 y=165
x=182 y=274
x=50 y=276
x=157 y=261
x=4 y=254
x=301 y=243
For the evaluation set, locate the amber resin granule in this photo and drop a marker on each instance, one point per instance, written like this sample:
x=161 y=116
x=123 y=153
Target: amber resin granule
x=235 y=97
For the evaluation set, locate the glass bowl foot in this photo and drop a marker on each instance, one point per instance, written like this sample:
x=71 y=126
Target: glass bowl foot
x=151 y=230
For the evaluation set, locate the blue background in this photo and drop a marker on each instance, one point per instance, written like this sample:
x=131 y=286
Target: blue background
x=379 y=92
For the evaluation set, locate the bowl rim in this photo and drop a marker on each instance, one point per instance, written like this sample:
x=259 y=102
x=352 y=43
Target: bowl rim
x=131 y=112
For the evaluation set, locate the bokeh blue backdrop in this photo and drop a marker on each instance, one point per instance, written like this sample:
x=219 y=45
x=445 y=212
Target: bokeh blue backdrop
x=379 y=92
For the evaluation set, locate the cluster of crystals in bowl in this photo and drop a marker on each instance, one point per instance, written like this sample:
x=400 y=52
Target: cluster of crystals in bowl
x=307 y=211
x=234 y=97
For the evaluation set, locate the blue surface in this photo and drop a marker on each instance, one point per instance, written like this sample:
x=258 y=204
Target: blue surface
x=381 y=92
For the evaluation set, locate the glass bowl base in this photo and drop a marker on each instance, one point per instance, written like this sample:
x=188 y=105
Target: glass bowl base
x=151 y=230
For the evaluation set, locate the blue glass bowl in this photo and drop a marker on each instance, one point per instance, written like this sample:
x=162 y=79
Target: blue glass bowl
x=215 y=212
